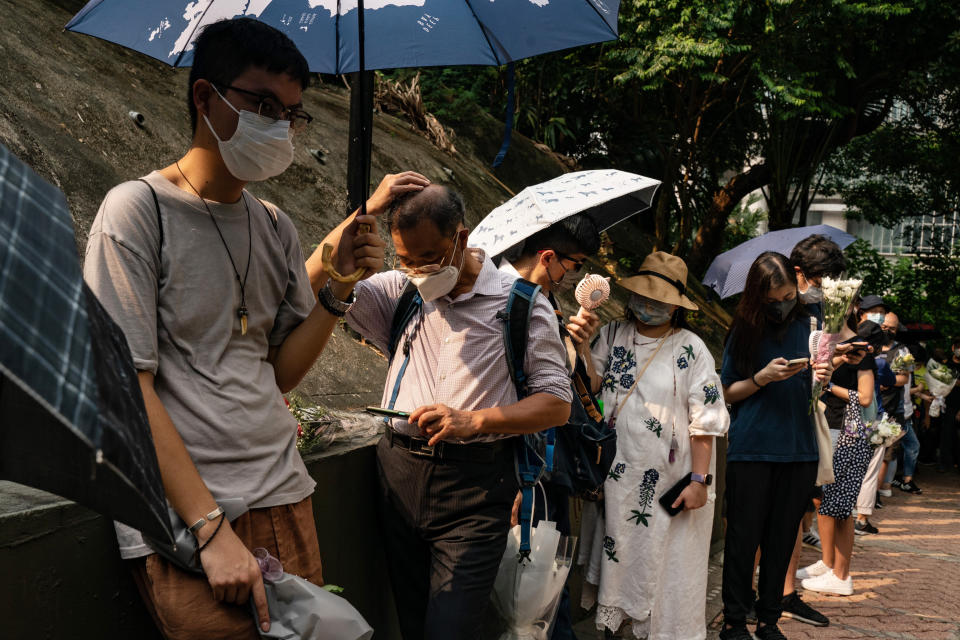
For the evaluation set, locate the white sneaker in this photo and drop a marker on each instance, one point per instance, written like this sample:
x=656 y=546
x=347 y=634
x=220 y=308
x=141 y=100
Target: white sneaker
x=886 y=493
x=829 y=583
x=814 y=570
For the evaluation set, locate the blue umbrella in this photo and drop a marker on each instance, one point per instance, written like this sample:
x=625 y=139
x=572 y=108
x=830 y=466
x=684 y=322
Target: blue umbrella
x=72 y=419
x=399 y=33
x=727 y=274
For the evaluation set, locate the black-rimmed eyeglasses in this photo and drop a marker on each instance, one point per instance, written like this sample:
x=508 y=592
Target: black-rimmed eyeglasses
x=269 y=107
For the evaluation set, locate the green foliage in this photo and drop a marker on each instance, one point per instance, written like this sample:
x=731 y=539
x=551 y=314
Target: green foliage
x=922 y=288
x=744 y=224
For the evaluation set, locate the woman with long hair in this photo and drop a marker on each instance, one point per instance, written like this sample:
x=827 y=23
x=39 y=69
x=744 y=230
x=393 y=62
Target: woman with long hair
x=772 y=453
x=648 y=568
x=850 y=392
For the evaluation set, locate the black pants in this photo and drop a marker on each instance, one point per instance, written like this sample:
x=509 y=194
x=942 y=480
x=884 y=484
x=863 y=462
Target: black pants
x=558 y=507
x=948 y=437
x=445 y=531
x=765 y=503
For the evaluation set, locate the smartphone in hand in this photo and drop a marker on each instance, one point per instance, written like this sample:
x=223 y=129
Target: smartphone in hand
x=796 y=361
x=389 y=413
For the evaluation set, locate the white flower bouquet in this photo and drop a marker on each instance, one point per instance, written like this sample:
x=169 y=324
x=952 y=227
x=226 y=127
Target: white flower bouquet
x=838 y=297
x=884 y=432
x=940 y=381
x=904 y=363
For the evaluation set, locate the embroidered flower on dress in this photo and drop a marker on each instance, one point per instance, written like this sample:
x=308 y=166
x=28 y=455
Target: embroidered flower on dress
x=609 y=545
x=710 y=393
x=617 y=471
x=682 y=362
x=688 y=350
x=654 y=425
x=609 y=382
x=626 y=380
x=645 y=497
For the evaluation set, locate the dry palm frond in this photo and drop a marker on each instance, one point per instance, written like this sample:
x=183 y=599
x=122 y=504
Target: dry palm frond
x=393 y=96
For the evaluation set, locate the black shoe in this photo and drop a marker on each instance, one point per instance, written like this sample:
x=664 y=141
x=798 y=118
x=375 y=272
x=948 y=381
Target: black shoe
x=896 y=483
x=752 y=614
x=769 y=632
x=911 y=487
x=861 y=528
x=879 y=503
x=736 y=633
x=794 y=607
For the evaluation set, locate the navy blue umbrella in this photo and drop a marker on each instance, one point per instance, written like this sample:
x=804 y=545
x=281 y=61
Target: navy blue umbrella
x=727 y=274
x=72 y=419
x=398 y=33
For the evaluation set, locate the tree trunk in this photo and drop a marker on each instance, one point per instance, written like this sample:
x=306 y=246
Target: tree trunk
x=709 y=238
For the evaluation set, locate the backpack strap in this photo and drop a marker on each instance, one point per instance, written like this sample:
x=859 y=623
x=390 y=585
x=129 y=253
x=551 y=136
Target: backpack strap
x=408 y=305
x=156 y=203
x=272 y=215
x=530 y=465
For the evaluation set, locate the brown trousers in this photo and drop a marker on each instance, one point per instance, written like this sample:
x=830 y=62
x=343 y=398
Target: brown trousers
x=182 y=603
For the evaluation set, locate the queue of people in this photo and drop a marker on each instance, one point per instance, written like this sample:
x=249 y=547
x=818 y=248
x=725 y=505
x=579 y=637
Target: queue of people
x=213 y=369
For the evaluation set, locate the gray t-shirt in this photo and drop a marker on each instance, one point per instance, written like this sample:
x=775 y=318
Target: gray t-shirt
x=178 y=306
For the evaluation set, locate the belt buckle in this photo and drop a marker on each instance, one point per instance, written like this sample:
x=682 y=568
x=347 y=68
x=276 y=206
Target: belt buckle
x=422 y=449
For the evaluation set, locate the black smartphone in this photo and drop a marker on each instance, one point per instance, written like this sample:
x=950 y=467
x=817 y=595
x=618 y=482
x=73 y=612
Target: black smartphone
x=389 y=413
x=668 y=498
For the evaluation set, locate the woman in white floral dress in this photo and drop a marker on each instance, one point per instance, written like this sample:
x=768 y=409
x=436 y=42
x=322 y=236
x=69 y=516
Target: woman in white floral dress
x=644 y=567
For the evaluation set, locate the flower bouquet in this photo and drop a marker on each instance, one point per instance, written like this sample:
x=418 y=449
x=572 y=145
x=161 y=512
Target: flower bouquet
x=838 y=297
x=904 y=363
x=940 y=381
x=884 y=432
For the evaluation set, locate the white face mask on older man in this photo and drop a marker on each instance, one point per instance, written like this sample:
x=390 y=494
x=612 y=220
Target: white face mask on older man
x=434 y=281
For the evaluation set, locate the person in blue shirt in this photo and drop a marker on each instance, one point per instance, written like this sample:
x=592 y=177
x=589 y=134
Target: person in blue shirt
x=772 y=454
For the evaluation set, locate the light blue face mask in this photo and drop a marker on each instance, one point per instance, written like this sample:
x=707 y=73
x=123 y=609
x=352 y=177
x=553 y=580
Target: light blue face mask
x=652 y=313
x=875 y=317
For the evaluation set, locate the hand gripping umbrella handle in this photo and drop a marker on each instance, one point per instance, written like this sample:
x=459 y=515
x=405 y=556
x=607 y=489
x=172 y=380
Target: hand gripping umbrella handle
x=326 y=257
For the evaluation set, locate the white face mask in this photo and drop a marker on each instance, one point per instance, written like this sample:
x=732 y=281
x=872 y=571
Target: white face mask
x=438 y=283
x=650 y=312
x=260 y=148
x=875 y=317
x=812 y=295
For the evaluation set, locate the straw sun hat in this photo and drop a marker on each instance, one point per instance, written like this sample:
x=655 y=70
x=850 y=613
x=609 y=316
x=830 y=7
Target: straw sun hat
x=662 y=277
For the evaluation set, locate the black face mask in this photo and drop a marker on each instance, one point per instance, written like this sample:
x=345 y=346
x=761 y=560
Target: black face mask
x=777 y=312
x=887 y=337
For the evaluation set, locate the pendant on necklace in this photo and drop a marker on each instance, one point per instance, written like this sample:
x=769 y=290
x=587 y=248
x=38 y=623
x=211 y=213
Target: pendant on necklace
x=242 y=314
x=674 y=446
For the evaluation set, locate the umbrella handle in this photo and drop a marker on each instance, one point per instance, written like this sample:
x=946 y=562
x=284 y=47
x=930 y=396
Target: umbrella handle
x=326 y=258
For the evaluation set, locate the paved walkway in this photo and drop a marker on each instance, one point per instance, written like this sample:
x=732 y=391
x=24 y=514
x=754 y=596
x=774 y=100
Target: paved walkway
x=906 y=578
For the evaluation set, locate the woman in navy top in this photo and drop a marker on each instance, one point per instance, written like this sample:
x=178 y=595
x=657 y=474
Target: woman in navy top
x=772 y=454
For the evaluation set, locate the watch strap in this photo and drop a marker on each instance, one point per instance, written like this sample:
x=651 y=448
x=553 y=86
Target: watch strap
x=702 y=479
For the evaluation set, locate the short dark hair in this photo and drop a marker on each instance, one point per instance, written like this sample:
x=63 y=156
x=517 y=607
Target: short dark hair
x=575 y=234
x=227 y=48
x=440 y=205
x=818 y=256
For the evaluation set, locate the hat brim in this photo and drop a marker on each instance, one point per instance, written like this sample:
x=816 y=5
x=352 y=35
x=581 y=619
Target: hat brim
x=657 y=289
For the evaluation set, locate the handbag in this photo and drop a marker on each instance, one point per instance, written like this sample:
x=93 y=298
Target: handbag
x=822 y=432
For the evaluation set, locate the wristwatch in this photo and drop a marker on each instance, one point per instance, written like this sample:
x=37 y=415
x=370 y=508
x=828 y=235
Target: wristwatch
x=706 y=480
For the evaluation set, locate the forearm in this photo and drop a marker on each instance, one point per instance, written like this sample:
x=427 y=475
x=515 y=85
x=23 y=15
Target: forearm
x=318 y=277
x=583 y=349
x=741 y=390
x=534 y=413
x=293 y=358
x=701 y=453
x=182 y=483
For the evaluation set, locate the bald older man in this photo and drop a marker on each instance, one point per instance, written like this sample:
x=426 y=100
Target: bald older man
x=447 y=470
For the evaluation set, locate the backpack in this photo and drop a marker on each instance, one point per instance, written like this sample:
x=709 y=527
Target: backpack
x=533 y=452
x=586 y=445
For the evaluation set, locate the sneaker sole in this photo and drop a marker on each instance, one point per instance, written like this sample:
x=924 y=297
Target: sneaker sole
x=829 y=592
x=799 y=618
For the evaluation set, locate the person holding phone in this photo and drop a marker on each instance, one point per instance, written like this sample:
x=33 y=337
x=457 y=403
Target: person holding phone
x=772 y=453
x=661 y=392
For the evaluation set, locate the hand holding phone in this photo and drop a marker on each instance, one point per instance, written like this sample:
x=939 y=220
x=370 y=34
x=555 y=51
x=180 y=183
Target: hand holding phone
x=388 y=413
x=796 y=361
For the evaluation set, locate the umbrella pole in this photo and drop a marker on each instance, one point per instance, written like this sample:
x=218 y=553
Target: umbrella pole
x=358 y=151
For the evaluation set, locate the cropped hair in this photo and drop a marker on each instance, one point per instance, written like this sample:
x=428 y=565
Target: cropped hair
x=445 y=210
x=227 y=48
x=575 y=234
x=818 y=256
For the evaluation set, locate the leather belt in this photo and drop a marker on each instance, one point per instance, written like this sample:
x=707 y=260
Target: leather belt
x=445 y=451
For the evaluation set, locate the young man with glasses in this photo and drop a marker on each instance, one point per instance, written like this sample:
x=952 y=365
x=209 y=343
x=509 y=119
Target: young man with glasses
x=447 y=471
x=208 y=284
x=553 y=258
